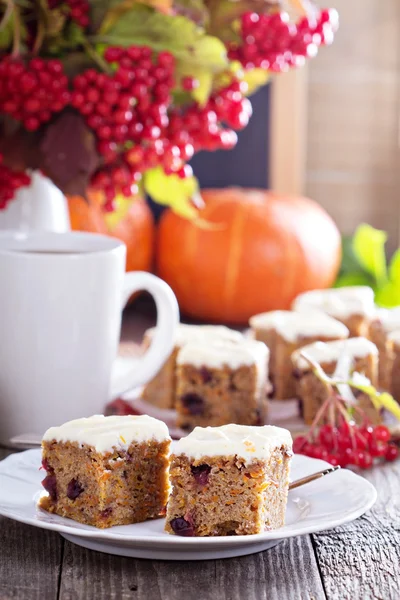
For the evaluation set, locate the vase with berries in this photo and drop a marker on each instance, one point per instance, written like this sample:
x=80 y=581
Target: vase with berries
x=113 y=98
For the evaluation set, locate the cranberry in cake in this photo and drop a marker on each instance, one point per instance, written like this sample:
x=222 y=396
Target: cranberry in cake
x=354 y=306
x=229 y=480
x=106 y=471
x=286 y=331
x=362 y=359
x=385 y=323
x=161 y=390
x=221 y=382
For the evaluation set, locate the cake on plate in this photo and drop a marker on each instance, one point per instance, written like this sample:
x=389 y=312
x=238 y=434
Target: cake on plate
x=354 y=306
x=229 y=480
x=284 y=332
x=393 y=364
x=221 y=382
x=106 y=471
x=362 y=358
x=385 y=323
x=161 y=390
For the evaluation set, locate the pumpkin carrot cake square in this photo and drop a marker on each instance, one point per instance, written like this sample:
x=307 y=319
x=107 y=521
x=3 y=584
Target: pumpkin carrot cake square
x=362 y=358
x=161 y=390
x=385 y=323
x=106 y=471
x=354 y=306
x=230 y=480
x=286 y=331
x=221 y=382
x=393 y=364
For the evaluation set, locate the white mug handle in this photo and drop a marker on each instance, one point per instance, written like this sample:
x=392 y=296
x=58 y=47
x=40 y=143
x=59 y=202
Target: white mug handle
x=142 y=369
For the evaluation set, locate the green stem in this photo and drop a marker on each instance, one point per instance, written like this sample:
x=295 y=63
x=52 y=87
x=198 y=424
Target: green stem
x=17 y=32
x=95 y=56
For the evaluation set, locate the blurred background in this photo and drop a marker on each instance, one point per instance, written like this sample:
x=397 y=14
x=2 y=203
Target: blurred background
x=330 y=130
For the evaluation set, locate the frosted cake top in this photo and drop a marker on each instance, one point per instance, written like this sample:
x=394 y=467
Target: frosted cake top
x=389 y=318
x=339 y=302
x=217 y=353
x=197 y=333
x=250 y=443
x=105 y=433
x=294 y=325
x=327 y=352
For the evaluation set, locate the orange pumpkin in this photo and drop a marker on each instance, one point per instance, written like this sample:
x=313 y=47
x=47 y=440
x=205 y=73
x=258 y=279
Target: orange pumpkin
x=133 y=223
x=263 y=250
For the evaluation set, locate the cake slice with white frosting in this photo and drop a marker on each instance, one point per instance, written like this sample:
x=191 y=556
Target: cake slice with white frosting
x=284 y=332
x=229 y=480
x=353 y=305
x=105 y=471
x=221 y=382
x=161 y=390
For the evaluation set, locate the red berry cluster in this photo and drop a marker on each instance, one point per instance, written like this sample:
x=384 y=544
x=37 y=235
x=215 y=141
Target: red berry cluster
x=32 y=92
x=348 y=444
x=204 y=128
x=10 y=182
x=274 y=43
x=78 y=10
x=128 y=113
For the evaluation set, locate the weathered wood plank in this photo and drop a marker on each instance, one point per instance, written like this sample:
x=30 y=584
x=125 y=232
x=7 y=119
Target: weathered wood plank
x=362 y=559
x=287 y=571
x=30 y=559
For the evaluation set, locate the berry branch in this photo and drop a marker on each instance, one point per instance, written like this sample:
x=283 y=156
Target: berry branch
x=335 y=437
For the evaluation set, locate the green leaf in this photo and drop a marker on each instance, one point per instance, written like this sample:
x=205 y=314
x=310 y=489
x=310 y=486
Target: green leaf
x=394 y=268
x=369 y=249
x=176 y=34
x=379 y=400
x=356 y=278
x=388 y=296
x=171 y=190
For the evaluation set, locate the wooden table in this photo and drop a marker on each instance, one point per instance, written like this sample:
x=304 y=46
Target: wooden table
x=357 y=562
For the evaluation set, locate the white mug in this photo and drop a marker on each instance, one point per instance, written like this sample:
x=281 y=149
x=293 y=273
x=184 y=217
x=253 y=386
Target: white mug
x=61 y=299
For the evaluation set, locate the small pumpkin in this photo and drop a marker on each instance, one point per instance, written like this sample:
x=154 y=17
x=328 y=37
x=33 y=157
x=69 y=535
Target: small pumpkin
x=132 y=223
x=258 y=253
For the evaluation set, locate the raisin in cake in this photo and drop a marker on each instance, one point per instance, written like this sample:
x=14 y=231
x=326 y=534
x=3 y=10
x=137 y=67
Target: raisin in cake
x=354 y=306
x=362 y=358
x=286 y=331
x=385 y=323
x=106 y=471
x=221 y=382
x=229 y=480
x=161 y=390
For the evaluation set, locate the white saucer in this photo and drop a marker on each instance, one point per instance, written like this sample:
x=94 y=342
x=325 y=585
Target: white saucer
x=323 y=504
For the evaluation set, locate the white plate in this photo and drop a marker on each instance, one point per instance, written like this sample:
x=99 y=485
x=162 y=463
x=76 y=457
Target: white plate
x=328 y=502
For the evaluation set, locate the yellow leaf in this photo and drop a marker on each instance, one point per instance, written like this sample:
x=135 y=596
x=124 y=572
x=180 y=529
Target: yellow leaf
x=122 y=206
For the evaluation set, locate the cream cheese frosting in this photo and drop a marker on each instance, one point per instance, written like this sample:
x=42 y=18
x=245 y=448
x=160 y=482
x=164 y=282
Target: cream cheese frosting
x=106 y=433
x=197 y=333
x=341 y=303
x=244 y=441
x=294 y=325
x=389 y=318
x=327 y=352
